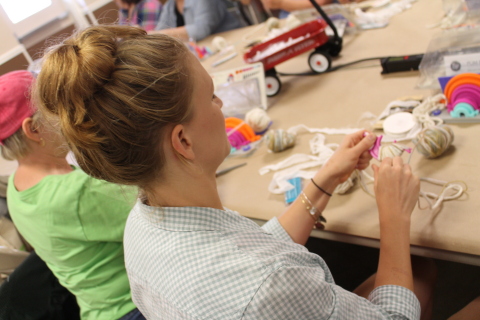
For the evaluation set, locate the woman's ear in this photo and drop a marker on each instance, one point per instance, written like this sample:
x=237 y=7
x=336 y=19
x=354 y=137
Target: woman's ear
x=30 y=131
x=181 y=142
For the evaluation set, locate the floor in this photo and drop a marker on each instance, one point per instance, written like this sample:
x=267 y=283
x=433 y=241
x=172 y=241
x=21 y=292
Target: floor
x=457 y=284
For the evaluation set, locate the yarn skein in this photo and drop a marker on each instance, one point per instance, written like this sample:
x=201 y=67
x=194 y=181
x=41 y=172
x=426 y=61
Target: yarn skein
x=279 y=140
x=258 y=120
x=219 y=43
x=434 y=141
x=379 y=151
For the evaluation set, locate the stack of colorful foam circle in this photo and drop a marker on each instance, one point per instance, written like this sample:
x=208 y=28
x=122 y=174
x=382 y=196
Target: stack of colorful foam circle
x=200 y=51
x=463 y=95
x=239 y=133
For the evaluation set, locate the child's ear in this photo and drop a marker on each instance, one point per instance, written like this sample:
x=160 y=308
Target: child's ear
x=30 y=131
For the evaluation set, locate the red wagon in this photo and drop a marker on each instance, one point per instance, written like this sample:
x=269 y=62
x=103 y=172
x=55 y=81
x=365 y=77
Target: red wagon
x=308 y=36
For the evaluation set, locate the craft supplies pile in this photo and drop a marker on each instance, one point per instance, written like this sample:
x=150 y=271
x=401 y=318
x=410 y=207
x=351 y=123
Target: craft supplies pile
x=417 y=130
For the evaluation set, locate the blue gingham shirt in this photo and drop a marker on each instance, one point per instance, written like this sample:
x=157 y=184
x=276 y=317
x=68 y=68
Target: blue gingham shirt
x=204 y=263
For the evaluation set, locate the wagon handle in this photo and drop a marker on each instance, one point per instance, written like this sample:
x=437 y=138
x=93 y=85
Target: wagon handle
x=327 y=19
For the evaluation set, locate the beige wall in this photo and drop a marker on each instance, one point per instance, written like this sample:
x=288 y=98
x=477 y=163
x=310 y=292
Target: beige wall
x=7 y=167
x=9 y=41
x=104 y=10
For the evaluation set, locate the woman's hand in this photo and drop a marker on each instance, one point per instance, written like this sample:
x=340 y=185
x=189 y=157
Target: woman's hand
x=353 y=153
x=396 y=190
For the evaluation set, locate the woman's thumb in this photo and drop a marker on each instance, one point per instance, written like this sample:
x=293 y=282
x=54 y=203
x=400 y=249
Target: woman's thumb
x=365 y=144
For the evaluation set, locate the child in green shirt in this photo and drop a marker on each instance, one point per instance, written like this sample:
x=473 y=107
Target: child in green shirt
x=74 y=222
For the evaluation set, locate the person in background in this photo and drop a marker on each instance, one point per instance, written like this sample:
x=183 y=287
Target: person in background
x=292 y=5
x=142 y=13
x=287 y=6
x=74 y=223
x=187 y=256
x=195 y=19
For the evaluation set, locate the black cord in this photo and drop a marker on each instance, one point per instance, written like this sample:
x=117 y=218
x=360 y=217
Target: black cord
x=340 y=66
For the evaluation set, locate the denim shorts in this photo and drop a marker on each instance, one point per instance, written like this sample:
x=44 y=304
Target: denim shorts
x=133 y=315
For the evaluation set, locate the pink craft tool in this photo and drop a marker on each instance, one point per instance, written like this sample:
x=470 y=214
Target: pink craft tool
x=375 y=149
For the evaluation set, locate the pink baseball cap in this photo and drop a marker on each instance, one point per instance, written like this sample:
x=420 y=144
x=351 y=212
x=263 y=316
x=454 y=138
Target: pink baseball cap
x=15 y=103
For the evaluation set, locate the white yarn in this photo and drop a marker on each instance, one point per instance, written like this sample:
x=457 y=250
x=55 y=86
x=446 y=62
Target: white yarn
x=292 y=21
x=445 y=195
x=272 y=23
x=381 y=17
x=295 y=165
x=219 y=43
x=448 y=187
x=343 y=188
x=301 y=128
x=392 y=150
x=422 y=112
x=258 y=119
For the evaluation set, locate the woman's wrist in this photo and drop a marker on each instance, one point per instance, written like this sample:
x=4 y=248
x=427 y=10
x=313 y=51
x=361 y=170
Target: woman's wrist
x=326 y=181
x=394 y=220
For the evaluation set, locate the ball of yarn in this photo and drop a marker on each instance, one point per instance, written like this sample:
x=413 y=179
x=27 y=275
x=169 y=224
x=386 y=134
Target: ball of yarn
x=219 y=43
x=258 y=120
x=279 y=140
x=392 y=150
x=272 y=23
x=433 y=142
x=292 y=22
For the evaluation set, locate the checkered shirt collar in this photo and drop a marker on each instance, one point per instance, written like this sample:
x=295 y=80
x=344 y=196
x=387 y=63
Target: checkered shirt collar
x=195 y=218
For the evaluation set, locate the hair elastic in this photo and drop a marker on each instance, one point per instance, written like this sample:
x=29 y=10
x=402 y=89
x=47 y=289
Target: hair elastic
x=319 y=188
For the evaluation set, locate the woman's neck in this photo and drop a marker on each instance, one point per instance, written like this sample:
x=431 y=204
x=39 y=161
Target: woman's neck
x=180 y=189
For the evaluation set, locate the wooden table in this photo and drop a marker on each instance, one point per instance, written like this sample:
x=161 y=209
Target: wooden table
x=338 y=99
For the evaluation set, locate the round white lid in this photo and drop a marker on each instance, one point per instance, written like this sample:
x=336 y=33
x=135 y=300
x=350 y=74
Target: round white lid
x=399 y=123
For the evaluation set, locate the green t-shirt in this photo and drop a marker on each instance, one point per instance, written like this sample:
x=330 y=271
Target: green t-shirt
x=75 y=224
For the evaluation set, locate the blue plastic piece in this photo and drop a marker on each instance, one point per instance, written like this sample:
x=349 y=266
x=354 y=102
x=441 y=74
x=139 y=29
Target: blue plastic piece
x=463 y=109
x=436 y=112
x=292 y=194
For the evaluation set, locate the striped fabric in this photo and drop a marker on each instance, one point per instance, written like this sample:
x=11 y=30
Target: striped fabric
x=204 y=263
x=145 y=15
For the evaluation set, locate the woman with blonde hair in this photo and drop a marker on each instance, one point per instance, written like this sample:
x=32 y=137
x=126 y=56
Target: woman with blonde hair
x=140 y=110
x=74 y=222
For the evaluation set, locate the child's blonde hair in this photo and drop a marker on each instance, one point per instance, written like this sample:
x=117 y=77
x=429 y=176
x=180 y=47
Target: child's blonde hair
x=16 y=147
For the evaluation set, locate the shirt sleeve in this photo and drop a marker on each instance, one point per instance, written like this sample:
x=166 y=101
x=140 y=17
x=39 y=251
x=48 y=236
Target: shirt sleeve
x=300 y=292
x=122 y=16
x=274 y=227
x=103 y=209
x=167 y=17
x=206 y=17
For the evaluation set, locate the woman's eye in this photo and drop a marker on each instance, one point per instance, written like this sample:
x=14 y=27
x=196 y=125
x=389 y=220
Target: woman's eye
x=214 y=96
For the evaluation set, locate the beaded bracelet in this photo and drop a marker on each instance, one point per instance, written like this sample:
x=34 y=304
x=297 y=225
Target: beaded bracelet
x=314 y=213
x=320 y=188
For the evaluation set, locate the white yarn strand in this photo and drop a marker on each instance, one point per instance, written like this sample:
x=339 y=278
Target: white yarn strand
x=422 y=112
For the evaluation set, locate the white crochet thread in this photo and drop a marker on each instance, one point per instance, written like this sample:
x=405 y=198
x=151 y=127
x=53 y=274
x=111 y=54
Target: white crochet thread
x=422 y=112
x=447 y=187
x=445 y=194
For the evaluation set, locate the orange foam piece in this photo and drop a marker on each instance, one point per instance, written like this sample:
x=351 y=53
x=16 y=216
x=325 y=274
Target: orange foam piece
x=461 y=79
x=243 y=128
